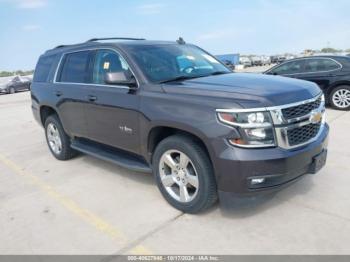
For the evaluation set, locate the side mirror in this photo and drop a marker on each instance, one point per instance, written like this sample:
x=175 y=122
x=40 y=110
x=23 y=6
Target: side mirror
x=120 y=78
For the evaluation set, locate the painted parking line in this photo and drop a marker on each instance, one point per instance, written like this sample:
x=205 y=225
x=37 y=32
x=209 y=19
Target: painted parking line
x=70 y=205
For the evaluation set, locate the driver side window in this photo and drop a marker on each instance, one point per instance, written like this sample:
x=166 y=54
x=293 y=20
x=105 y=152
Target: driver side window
x=107 y=61
x=289 y=68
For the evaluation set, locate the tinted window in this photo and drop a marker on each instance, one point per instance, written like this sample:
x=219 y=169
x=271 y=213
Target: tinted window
x=75 y=67
x=107 y=61
x=289 y=68
x=317 y=65
x=43 y=68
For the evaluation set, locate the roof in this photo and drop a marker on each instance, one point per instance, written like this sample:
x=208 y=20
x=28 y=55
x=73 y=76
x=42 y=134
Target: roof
x=121 y=43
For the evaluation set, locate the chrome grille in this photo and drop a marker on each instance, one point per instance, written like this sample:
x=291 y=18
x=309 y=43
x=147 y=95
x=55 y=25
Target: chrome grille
x=299 y=123
x=302 y=134
x=300 y=110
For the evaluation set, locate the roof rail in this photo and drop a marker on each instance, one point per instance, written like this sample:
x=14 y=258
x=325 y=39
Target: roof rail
x=114 y=38
x=60 y=46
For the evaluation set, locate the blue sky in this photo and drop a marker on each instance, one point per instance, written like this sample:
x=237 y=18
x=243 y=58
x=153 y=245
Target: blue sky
x=29 y=27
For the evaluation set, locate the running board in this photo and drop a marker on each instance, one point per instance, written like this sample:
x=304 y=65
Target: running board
x=115 y=156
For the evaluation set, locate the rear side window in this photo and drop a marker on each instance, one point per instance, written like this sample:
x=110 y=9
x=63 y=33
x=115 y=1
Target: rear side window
x=319 y=65
x=43 y=68
x=75 y=68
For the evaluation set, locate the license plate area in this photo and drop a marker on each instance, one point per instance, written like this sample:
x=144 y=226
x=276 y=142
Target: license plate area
x=318 y=162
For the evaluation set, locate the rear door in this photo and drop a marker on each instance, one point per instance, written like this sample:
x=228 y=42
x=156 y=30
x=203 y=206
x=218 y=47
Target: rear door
x=321 y=71
x=71 y=89
x=112 y=112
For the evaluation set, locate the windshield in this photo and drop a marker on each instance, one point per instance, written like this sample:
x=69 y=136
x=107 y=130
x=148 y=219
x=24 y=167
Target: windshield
x=162 y=63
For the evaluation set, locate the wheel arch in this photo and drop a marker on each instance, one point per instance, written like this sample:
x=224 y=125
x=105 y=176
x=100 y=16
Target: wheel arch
x=45 y=112
x=335 y=85
x=159 y=133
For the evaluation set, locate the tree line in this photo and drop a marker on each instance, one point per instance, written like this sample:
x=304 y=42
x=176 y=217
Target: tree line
x=334 y=50
x=17 y=72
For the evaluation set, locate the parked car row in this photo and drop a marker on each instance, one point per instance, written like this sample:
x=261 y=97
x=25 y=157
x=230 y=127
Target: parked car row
x=330 y=73
x=17 y=83
x=248 y=61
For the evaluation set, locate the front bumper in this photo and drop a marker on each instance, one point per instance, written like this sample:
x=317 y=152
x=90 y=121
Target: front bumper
x=237 y=166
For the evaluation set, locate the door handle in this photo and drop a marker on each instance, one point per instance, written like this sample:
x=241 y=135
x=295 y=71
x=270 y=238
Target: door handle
x=92 y=98
x=58 y=93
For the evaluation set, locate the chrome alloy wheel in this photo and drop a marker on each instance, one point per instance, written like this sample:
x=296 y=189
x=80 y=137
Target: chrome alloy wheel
x=54 y=139
x=341 y=98
x=178 y=176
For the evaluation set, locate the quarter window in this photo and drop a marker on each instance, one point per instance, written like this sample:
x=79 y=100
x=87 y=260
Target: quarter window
x=75 y=68
x=107 y=61
x=43 y=68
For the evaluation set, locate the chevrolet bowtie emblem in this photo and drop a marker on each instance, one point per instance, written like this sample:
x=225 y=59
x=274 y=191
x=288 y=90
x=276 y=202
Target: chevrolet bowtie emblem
x=315 y=117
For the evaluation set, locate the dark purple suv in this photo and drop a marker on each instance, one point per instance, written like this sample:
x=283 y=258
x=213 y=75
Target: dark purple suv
x=173 y=109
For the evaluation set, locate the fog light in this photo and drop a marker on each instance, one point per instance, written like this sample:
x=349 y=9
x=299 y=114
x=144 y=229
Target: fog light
x=256 y=181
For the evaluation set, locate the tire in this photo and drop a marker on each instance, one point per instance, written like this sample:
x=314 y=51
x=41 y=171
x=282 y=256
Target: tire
x=62 y=150
x=340 y=98
x=199 y=168
x=12 y=90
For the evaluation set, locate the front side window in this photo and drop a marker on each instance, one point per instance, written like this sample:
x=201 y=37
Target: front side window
x=162 y=63
x=289 y=68
x=75 y=68
x=107 y=61
x=320 y=65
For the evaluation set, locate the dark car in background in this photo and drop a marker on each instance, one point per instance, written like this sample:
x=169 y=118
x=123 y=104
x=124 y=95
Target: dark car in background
x=330 y=73
x=18 y=83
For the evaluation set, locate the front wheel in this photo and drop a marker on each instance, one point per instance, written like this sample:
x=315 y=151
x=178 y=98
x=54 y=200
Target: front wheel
x=340 y=98
x=184 y=174
x=12 y=90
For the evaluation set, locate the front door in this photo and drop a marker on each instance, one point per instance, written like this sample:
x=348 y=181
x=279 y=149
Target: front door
x=112 y=112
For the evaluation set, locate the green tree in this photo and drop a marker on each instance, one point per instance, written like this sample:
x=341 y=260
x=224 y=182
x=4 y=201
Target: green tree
x=17 y=72
x=330 y=50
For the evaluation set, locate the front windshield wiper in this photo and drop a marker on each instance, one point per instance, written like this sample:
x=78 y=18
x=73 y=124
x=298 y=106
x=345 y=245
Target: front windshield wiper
x=220 y=73
x=178 y=79
x=191 y=77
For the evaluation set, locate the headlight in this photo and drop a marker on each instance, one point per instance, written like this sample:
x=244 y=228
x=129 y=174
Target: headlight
x=255 y=128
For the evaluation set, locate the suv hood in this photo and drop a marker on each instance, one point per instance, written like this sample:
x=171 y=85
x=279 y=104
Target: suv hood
x=249 y=90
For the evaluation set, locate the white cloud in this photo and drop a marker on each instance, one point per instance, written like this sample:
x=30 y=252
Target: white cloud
x=31 y=27
x=31 y=4
x=150 y=9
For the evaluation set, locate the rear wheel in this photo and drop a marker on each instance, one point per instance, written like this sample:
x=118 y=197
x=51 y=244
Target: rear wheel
x=57 y=140
x=12 y=90
x=184 y=174
x=340 y=98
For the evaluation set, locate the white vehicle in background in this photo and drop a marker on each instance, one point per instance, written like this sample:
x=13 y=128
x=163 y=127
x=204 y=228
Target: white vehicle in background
x=256 y=61
x=266 y=60
x=289 y=57
x=281 y=59
x=245 y=61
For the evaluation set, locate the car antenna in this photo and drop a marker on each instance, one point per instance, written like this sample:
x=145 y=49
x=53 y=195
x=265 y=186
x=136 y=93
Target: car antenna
x=180 y=41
